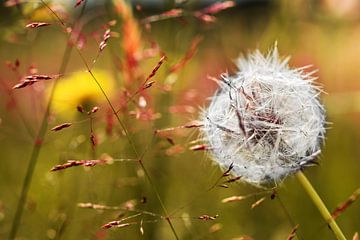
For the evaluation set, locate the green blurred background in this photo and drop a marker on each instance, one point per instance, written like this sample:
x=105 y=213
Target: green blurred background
x=324 y=34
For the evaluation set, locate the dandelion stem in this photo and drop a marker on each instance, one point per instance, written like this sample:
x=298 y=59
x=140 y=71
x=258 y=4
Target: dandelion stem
x=320 y=205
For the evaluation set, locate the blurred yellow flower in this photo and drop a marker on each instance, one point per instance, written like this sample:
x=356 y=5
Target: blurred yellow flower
x=39 y=12
x=80 y=89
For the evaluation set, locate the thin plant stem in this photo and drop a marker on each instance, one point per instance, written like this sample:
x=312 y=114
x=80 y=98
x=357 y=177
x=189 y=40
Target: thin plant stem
x=320 y=205
x=167 y=217
x=37 y=146
x=35 y=154
x=131 y=142
x=288 y=216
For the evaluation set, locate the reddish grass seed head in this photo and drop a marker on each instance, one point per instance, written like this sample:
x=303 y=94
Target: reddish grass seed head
x=266 y=120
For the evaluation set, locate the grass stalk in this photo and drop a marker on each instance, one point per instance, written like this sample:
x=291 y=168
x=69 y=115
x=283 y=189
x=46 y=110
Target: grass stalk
x=38 y=145
x=131 y=142
x=320 y=205
x=35 y=153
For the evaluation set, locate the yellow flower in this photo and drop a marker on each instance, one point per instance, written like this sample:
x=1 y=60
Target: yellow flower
x=38 y=12
x=80 y=89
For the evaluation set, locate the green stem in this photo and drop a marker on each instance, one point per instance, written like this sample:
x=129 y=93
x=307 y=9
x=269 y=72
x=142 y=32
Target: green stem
x=38 y=143
x=35 y=154
x=320 y=205
x=131 y=142
x=159 y=199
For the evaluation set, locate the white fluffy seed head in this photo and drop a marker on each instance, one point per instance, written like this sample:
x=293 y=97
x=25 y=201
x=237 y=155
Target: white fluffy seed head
x=266 y=120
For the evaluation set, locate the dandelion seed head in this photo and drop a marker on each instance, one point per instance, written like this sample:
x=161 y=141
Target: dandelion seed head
x=266 y=119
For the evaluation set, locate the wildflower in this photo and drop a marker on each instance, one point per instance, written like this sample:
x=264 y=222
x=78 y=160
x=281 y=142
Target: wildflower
x=266 y=120
x=79 y=89
x=38 y=12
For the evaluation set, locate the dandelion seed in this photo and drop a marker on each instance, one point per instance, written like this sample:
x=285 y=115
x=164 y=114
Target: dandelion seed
x=266 y=120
